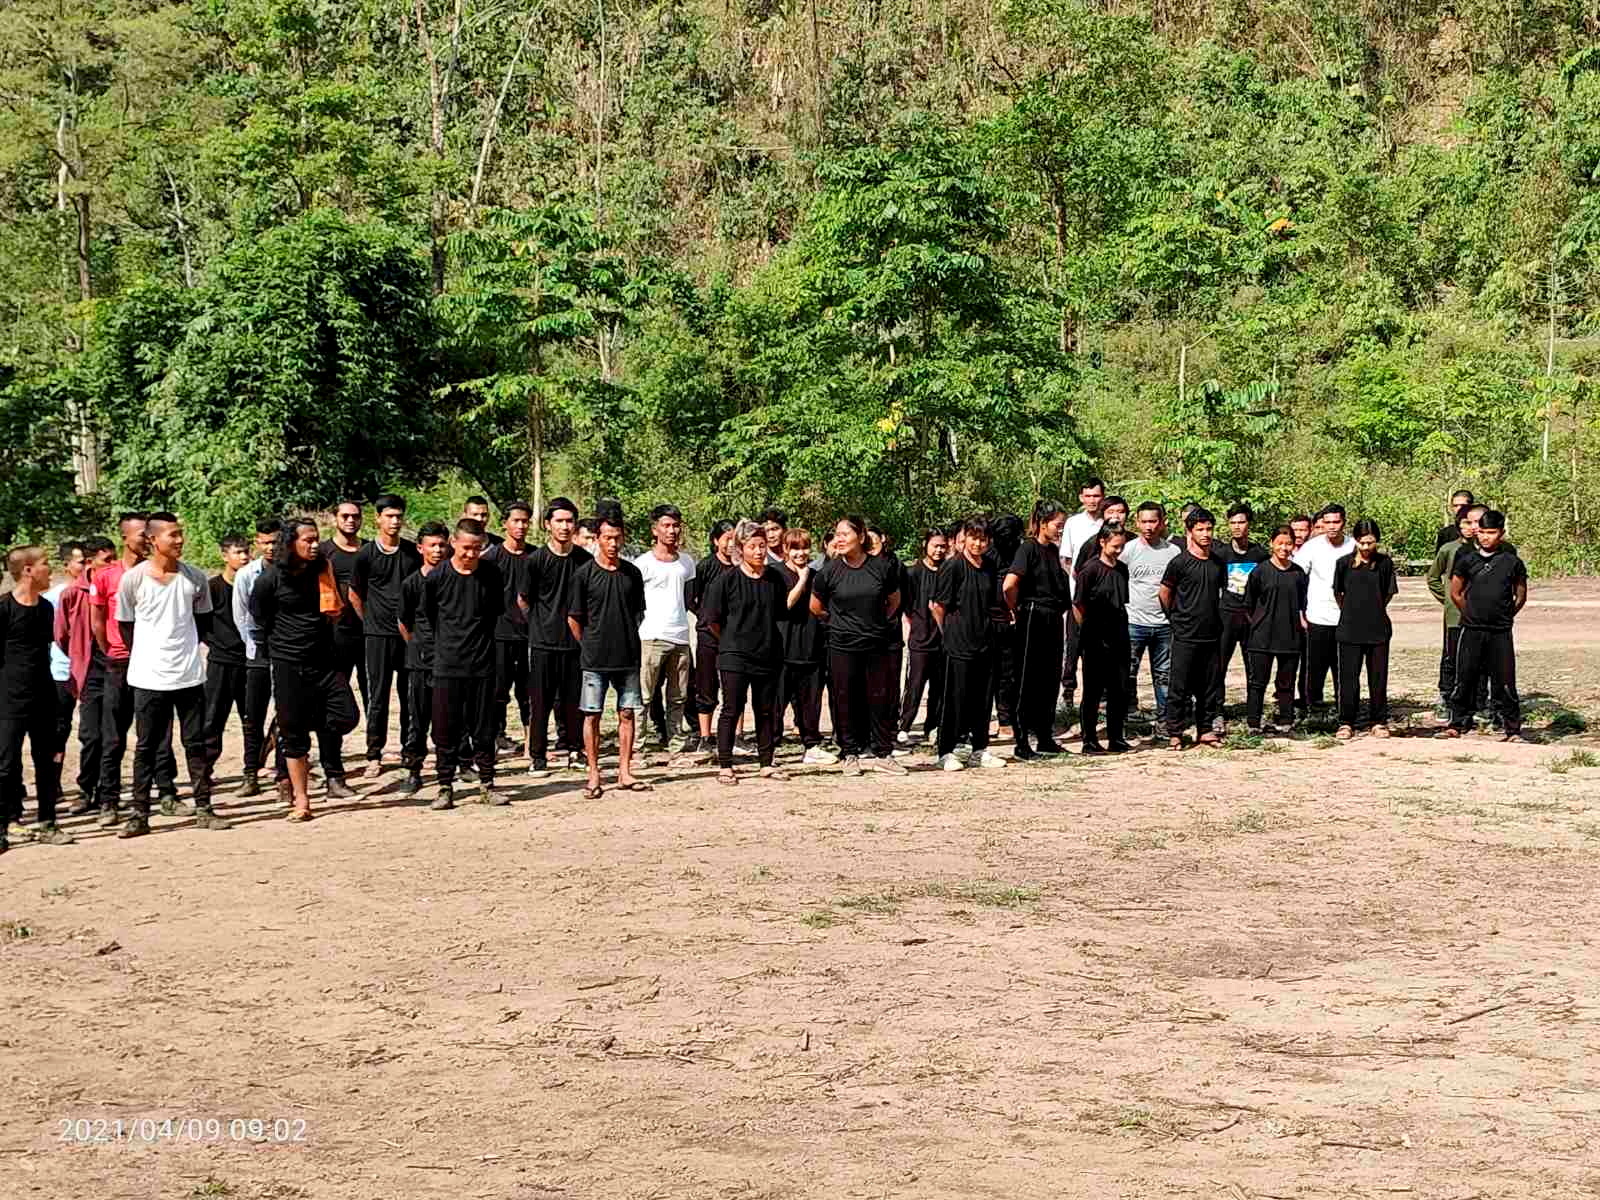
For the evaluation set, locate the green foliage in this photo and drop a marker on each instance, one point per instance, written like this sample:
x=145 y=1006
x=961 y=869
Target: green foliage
x=36 y=494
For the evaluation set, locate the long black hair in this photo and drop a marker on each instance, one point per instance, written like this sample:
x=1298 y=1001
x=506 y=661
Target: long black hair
x=1044 y=512
x=283 y=555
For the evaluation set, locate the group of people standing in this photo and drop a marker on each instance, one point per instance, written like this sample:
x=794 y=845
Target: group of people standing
x=994 y=618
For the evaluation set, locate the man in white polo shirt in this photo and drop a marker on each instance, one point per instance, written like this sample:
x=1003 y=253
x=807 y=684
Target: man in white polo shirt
x=160 y=603
x=1081 y=527
x=664 y=633
x=1319 y=558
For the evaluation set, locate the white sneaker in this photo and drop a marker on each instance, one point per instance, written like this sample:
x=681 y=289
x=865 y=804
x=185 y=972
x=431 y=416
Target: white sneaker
x=903 y=738
x=818 y=757
x=990 y=761
x=852 y=766
x=951 y=762
x=900 y=752
x=964 y=749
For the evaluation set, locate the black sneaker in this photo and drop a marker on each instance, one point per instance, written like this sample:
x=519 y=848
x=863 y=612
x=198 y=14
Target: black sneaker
x=412 y=785
x=51 y=834
x=444 y=800
x=505 y=745
x=1118 y=746
x=1048 y=748
x=338 y=789
x=110 y=818
x=206 y=818
x=1024 y=752
x=5 y=842
x=168 y=804
x=1092 y=747
x=250 y=785
x=136 y=826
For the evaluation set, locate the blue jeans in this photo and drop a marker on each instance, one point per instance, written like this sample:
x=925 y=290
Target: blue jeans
x=1159 y=640
x=592 y=694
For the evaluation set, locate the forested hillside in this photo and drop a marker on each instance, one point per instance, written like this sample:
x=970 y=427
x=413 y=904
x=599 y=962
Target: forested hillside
x=908 y=257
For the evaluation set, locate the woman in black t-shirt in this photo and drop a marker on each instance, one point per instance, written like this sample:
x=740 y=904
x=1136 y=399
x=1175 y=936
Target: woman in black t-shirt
x=924 y=644
x=1101 y=610
x=1363 y=584
x=1275 y=599
x=746 y=607
x=805 y=650
x=855 y=593
x=1038 y=592
x=1005 y=538
x=705 y=642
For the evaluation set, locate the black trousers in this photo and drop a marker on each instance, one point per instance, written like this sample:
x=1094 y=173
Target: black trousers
x=463 y=713
x=257 y=700
x=153 y=715
x=859 y=680
x=1235 y=633
x=924 y=670
x=706 y=676
x=1447 y=673
x=1193 y=685
x=1040 y=635
x=1004 y=635
x=314 y=700
x=37 y=723
x=226 y=693
x=968 y=689
x=763 y=693
x=1258 y=667
x=1071 y=652
x=415 y=748
x=555 y=681
x=386 y=668
x=1375 y=657
x=91 y=709
x=116 y=719
x=802 y=691
x=1105 y=680
x=350 y=655
x=897 y=668
x=510 y=680
x=1322 y=658
x=1487 y=653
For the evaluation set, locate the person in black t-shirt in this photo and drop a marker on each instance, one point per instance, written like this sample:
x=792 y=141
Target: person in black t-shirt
x=1190 y=595
x=349 y=640
x=225 y=686
x=555 y=677
x=1275 y=597
x=1363 y=584
x=965 y=592
x=1489 y=585
x=604 y=611
x=295 y=605
x=1100 y=607
x=1450 y=531
x=1038 y=593
x=510 y=556
x=1005 y=539
x=433 y=543
x=706 y=675
x=805 y=650
x=747 y=608
x=463 y=598
x=1239 y=557
x=924 y=643
x=381 y=565
x=855 y=593
x=881 y=545
x=28 y=695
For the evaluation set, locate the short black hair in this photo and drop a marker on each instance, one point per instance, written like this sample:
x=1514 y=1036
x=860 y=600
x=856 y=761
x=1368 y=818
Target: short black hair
x=1112 y=501
x=608 y=510
x=1301 y=518
x=64 y=551
x=483 y=500
x=1462 y=492
x=433 y=529
x=521 y=506
x=1331 y=509
x=1492 y=519
x=719 y=527
x=774 y=516
x=611 y=517
x=560 y=504
x=977 y=525
x=161 y=518
x=387 y=501
x=665 y=510
x=97 y=545
x=348 y=500
x=1365 y=526
x=269 y=526
x=233 y=542
x=1242 y=510
x=131 y=516
x=1198 y=516
x=471 y=526
x=1154 y=506
x=590 y=524
x=1094 y=481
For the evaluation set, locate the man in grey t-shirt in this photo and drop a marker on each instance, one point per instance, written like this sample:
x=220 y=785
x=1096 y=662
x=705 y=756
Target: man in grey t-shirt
x=1146 y=558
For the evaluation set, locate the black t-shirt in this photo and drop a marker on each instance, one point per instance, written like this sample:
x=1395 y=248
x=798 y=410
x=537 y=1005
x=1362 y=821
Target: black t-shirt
x=376 y=579
x=705 y=571
x=1491 y=599
x=751 y=613
x=917 y=589
x=224 y=646
x=1196 y=583
x=419 y=650
x=288 y=611
x=1041 y=579
x=854 y=599
x=897 y=574
x=513 y=623
x=1276 y=599
x=1364 y=593
x=805 y=639
x=967 y=593
x=1240 y=564
x=462 y=611
x=1447 y=534
x=609 y=606
x=25 y=635
x=1103 y=596
x=344 y=569
x=547 y=587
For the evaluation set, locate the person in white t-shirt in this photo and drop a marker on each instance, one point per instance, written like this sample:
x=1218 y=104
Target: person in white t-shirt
x=1146 y=558
x=664 y=633
x=1081 y=527
x=160 y=604
x=1319 y=558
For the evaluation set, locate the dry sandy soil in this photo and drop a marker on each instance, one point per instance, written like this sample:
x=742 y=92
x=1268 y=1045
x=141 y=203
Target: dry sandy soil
x=1303 y=970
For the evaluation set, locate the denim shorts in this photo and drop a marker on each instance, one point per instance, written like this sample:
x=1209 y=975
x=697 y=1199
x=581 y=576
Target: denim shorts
x=626 y=684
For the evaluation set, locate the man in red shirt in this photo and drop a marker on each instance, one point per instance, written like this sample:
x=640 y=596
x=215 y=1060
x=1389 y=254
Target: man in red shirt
x=85 y=685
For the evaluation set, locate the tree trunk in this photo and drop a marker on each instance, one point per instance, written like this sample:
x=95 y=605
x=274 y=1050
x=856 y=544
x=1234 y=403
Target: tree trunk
x=86 y=447
x=536 y=450
x=1065 y=333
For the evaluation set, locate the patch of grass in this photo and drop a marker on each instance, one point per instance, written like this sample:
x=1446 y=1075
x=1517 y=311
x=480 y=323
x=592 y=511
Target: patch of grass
x=60 y=891
x=822 y=918
x=870 y=827
x=1243 y=741
x=1251 y=820
x=1572 y=759
x=1467 y=758
x=1566 y=721
x=14 y=931
x=761 y=875
x=1134 y=1117
x=1274 y=747
x=1589 y=830
x=1324 y=741
x=211 y=1186
x=995 y=895
x=877 y=905
x=1128 y=843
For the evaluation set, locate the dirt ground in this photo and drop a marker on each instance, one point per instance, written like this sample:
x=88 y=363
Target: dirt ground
x=1305 y=969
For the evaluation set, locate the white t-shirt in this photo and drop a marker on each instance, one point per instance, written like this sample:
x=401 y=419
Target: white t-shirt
x=666 y=612
x=60 y=665
x=1319 y=558
x=165 y=656
x=1080 y=528
x=1146 y=565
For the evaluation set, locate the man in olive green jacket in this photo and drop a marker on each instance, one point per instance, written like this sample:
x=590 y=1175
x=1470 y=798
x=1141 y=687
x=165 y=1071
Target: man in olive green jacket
x=1439 y=585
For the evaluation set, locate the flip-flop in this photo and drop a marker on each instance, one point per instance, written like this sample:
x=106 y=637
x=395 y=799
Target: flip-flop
x=728 y=780
x=593 y=793
x=638 y=785
x=297 y=814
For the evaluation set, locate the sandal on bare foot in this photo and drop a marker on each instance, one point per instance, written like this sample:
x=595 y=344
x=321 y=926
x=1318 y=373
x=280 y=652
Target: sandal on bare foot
x=297 y=814
x=636 y=785
x=1449 y=731
x=593 y=792
x=1345 y=733
x=1380 y=731
x=777 y=773
x=727 y=778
